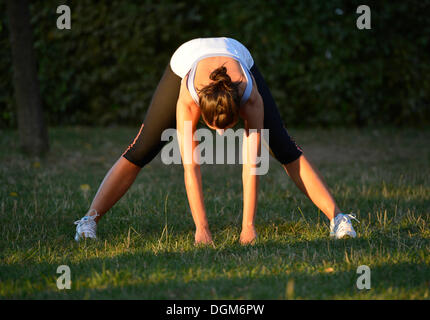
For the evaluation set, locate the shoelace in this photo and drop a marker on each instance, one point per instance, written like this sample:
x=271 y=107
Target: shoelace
x=343 y=223
x=352 y=216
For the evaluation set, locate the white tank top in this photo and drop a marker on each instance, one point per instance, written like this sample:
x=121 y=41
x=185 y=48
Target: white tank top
x=187 y=56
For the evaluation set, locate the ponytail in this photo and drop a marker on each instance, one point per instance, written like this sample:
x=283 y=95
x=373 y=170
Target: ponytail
x=219 y=100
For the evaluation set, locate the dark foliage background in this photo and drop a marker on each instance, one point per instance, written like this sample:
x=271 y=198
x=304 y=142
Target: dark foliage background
x=322 y=70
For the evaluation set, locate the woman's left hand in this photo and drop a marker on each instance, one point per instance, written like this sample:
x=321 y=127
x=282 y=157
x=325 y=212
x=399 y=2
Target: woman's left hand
x=248 y=235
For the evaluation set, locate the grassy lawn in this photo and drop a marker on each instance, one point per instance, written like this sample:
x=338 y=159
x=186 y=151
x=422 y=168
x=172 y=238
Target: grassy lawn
x=145 y=248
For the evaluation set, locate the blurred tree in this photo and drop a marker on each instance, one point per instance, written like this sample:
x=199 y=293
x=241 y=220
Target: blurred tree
x=321 y=69
x=31 y=125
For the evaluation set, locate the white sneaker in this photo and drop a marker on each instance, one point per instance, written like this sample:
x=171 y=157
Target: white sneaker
x=341 y=226
x=86 y=227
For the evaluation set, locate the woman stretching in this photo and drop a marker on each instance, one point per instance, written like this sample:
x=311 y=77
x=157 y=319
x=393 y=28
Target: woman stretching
x=218 y=80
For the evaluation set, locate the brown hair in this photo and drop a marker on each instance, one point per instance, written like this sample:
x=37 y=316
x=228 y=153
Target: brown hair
x=219 y=101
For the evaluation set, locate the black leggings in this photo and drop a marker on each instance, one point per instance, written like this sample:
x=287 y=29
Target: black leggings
x=161 y=115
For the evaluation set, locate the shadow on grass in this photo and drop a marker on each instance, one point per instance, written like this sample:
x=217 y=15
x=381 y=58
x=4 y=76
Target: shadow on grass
x=261 y=271
x=306 y=285
x=140 y=284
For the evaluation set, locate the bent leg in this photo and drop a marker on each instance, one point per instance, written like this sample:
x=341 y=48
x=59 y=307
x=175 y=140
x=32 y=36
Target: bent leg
x=161 y=115
x=282 y=146
x=291 y=156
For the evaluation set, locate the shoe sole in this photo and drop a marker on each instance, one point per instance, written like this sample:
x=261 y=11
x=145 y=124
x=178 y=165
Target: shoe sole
x=347 y=236
x=82 y=236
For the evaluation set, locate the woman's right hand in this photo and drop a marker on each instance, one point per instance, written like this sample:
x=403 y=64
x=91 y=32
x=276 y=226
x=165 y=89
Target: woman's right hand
x=203 y=236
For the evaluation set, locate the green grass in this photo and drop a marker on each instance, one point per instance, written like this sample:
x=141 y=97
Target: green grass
x=145 y=248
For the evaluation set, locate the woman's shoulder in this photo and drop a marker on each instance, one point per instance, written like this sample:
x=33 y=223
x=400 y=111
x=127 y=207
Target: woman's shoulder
x=184 y=94
x=254 y=104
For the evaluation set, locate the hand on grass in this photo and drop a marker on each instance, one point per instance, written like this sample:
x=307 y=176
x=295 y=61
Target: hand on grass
x=203 y=236
x=248 y=235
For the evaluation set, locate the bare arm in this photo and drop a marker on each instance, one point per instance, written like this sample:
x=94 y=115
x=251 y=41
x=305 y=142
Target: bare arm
x=187 y=116
x=254 y=119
